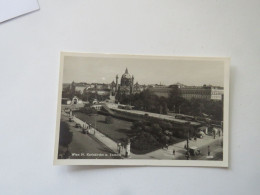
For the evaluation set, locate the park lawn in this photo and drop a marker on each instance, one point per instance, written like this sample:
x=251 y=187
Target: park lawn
x=117 y=131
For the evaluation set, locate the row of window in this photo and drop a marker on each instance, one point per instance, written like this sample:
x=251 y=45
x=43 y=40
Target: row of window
x=201 y=92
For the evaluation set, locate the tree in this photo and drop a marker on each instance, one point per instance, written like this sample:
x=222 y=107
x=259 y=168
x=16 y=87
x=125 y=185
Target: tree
x=209 y=107
x=165 y=108
x=166 y=125
x=145 y=141
x=175 y=101
x=156 y=129
x=65 y=135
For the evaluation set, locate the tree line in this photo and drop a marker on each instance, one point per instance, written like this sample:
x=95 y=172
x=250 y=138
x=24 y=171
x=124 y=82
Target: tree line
x=148 y=101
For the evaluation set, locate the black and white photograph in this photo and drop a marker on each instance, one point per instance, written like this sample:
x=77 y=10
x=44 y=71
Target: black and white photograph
x=142 y=110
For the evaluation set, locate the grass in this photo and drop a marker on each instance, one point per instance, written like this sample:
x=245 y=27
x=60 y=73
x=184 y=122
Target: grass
x=117 y=131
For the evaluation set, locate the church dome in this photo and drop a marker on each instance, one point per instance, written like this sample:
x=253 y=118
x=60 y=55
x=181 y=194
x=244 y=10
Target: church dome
x=126 y=75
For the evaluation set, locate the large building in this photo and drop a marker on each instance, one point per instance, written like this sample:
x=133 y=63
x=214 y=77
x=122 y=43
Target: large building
x=126 y=85
x=202 y=92
x=97 y=88
x=161 y=90
x=190 y=92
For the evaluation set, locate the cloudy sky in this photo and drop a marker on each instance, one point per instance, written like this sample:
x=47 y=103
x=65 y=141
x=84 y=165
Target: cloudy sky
x=145 y=71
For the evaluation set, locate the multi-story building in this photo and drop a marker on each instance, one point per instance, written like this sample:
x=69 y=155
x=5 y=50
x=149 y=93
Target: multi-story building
x=217 y=93
x=189 y=92
x=207 y=92
x=160 y=90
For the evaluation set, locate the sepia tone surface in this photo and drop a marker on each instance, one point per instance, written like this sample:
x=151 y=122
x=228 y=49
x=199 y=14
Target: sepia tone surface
x=142 y=110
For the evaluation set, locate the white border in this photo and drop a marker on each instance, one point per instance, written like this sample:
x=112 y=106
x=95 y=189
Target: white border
x=137 y=162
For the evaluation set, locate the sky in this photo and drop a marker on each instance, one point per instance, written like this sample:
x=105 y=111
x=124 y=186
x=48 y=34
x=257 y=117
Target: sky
x=145 y=70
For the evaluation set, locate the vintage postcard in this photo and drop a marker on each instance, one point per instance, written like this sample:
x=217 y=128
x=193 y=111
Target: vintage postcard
x=142 y=110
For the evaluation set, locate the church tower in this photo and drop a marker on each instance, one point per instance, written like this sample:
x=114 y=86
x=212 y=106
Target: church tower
x=116 y=82
x=132 y=85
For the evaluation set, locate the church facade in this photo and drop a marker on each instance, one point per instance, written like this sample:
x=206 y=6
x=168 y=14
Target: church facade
x=126 y=85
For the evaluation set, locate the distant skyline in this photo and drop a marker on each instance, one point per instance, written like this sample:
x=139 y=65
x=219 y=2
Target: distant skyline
x=145 y=71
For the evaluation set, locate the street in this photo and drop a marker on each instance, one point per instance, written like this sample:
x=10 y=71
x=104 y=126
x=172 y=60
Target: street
x=85 y=146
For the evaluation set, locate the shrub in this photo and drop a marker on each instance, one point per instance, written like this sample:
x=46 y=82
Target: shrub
x=166 y=125
x=156 y=129
x=144 y=142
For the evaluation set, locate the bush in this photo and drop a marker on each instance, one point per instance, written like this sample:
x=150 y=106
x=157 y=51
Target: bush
x=144 y=142
x=166 y=125
x=156 y=129
x=109 y=120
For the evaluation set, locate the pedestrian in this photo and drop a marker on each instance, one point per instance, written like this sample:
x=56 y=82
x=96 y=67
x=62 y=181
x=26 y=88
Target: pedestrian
x=173 y=152
x=119 y=147
x=119 y=151
x=208 y=150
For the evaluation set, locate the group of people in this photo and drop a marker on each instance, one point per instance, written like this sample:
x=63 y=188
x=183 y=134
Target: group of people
x=86 y=129
x=122 y=149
